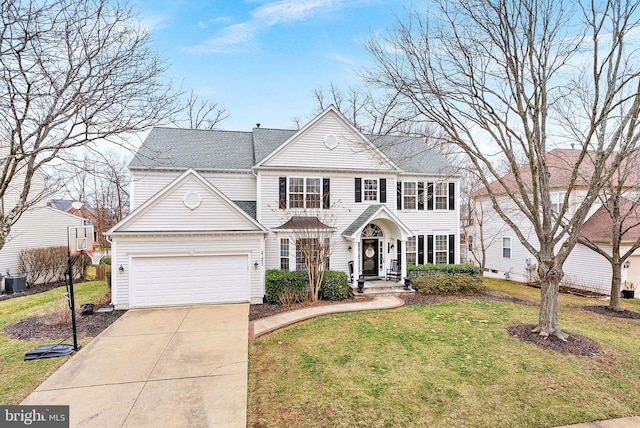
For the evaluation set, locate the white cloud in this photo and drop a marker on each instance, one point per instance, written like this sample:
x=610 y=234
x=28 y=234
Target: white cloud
x=241 y=36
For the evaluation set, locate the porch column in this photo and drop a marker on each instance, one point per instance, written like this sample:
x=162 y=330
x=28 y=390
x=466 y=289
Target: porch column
x=403 y=251
x=355 y=251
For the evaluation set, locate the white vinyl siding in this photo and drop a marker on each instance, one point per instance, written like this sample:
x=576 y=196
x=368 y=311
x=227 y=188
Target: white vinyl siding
x=309 y=149
x=236 y=186
x=126 y=248
x=212 y=214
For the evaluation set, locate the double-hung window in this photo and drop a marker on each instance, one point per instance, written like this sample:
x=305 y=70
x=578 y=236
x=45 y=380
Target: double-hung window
x=441 y=249
x=557 y=201
x=284 y=253
x=441 y=196
x=370 y=192
x=411 y=251
x=305 y=192
x=410 y=195
x=506 y=247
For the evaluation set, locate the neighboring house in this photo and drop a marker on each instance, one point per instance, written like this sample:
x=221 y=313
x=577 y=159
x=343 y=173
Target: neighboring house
x=39 y=227
x=74 y=207
x=506 y=257
x=213 y=210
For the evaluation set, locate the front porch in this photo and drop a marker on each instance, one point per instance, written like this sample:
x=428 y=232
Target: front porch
x=379 y=286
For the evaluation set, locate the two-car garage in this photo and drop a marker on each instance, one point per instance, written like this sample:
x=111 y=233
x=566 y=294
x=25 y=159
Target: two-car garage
x=188 y=244
x=181 y=280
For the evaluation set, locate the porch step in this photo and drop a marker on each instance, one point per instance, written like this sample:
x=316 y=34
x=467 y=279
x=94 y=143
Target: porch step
x=381 y=288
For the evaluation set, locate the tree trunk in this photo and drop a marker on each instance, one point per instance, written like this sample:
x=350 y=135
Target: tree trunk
x=616 y=279
x=549 y=285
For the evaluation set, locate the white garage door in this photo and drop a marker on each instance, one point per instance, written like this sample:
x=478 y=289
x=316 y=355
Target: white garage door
x=159 y=281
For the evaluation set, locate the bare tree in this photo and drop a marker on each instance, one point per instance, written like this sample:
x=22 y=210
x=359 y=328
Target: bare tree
x=71 y=73
x=504 y=80
x=101 y=181
x=374 y=115
x=620 y=199
x=199 y=114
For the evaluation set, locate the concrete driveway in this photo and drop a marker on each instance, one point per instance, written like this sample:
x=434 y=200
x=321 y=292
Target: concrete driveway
x=173 y=367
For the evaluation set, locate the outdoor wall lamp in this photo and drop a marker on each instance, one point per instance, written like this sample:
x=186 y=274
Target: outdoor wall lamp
x=349 y=247
x=256 y=264
x=626 y=264
x=389 y=247
x=121 y=268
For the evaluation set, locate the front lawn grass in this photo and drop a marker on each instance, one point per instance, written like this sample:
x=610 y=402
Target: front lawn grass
x=450 y=364
x=18 y=378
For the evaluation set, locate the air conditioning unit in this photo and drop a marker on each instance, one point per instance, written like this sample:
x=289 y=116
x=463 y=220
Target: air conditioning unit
x=14 y=284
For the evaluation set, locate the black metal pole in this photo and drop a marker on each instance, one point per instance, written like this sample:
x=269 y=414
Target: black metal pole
x=72 y=300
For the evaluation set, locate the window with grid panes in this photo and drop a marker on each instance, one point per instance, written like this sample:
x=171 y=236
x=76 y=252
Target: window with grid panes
x=441 y=193
x=410 y=195
x=370 y=190
x=441 y=249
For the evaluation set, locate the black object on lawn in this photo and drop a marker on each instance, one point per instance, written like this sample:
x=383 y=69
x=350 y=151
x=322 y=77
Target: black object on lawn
x=61 y=349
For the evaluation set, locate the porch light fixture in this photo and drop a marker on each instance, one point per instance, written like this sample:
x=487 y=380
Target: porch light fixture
x=121 y=268
x=626 y=264
x=349 y=247
x=389 y=247
x=256 y=264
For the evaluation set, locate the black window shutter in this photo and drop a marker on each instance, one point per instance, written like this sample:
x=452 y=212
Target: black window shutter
x=399 y=252
x=326 y=193
x=399 y=196
x=358 y=190
x=430 y=249
x=452 y=249
x=452 y=196
x=420 y=195
x=430 y=196
x=282 y=198
x=420 y=249
x=383 y=190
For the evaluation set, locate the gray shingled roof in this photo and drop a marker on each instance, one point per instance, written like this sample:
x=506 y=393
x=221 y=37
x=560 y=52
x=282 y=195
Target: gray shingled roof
x=413 y=155
x=194 y=148
x=361 y=220
x=173 y=148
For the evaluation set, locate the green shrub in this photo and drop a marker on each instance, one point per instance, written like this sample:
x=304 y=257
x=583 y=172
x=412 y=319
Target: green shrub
x=446 y=283
x=426 y=270
x=276 y=281
x=106 y=260
x=335 y=286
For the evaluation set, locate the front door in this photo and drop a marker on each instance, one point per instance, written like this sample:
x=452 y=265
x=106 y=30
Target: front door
x=370 y=257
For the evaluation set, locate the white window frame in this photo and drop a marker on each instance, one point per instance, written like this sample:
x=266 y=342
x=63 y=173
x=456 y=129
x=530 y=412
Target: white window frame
x=557 y=201
x=305 y=199
x=285 y=262
x=412 y=250
x=370 y=189
x=409 y=200
x=439 y=251
x=506 y=247
x=440 y=199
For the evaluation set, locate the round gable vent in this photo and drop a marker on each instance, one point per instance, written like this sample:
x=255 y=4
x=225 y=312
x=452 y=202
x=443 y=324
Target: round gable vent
x=192 y=200
x=331 y=141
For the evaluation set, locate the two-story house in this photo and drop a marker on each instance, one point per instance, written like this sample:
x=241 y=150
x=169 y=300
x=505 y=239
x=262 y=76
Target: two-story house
x=507 y=257
x=212 y=210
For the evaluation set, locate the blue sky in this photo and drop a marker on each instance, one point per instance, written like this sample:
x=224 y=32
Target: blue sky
x=261 y=60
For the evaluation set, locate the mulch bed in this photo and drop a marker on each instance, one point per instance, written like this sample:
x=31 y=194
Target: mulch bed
x=46 y=327
x=575 y=344
x=605 y=310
